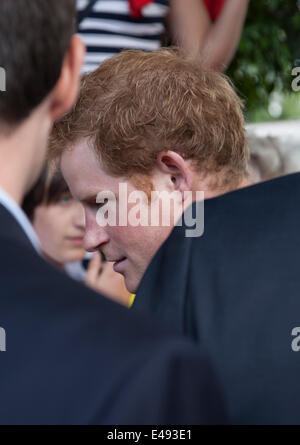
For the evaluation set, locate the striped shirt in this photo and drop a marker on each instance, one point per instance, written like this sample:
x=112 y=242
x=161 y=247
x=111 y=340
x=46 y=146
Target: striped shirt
x=109 y=28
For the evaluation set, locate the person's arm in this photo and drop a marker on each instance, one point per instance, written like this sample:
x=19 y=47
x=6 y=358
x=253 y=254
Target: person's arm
x=216 y=43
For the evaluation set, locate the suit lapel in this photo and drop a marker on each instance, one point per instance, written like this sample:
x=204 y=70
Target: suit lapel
x=11 y=229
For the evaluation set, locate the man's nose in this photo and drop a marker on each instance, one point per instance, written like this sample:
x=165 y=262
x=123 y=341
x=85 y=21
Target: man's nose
x=95 y=237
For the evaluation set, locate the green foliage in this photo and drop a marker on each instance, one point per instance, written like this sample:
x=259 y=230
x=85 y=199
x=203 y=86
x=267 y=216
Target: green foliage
x=268 y=51
x=290 y=110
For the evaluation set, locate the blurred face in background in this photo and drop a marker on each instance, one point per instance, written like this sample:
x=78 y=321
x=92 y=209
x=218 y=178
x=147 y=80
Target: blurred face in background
x=59 y=223
x=60 y=228
x=57 y=219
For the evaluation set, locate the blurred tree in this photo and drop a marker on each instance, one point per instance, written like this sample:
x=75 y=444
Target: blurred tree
x=268 y=51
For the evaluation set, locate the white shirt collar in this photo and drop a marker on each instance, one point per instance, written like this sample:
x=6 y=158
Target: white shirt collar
x=15 y=210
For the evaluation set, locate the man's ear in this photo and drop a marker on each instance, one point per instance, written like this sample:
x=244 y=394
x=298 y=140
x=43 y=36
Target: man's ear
x=177 y=168
x=66 y=90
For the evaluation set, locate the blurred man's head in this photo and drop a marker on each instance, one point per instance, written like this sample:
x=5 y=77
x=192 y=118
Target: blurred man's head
x=41 y=60
x=155 y=122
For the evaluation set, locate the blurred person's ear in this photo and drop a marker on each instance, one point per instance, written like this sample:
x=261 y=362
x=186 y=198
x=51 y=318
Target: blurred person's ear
x=64 y=94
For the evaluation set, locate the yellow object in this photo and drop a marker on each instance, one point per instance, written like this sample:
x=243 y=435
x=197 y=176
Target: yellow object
x=131 y=300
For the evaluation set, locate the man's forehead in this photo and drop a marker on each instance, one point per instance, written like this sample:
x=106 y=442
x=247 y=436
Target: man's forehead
x=74 y=155
x=84 y=174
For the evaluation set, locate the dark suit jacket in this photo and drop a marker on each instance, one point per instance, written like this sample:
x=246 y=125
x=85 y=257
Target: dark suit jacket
x=236 y=291
x=74 y=357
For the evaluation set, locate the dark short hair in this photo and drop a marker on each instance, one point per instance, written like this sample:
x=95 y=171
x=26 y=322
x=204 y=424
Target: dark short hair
x=48 y=190
x=34 y=37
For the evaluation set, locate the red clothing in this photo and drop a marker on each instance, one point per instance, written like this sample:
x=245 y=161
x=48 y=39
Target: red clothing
x=136 y=7
x=214 y=7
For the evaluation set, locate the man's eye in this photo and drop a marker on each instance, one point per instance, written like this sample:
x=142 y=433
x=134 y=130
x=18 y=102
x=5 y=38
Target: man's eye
x=95 y=206
x=101 y=204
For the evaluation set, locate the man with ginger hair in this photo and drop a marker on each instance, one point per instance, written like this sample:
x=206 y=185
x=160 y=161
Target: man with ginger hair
x=154 y=122
x=158 y=122
x=69 y=355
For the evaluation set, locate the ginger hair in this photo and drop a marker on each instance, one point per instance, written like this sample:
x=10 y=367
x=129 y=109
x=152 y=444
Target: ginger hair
x=138 y=104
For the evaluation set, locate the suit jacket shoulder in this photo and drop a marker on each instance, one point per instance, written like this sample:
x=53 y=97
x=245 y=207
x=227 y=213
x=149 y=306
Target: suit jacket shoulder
x=235 y=291
x=74 y=357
